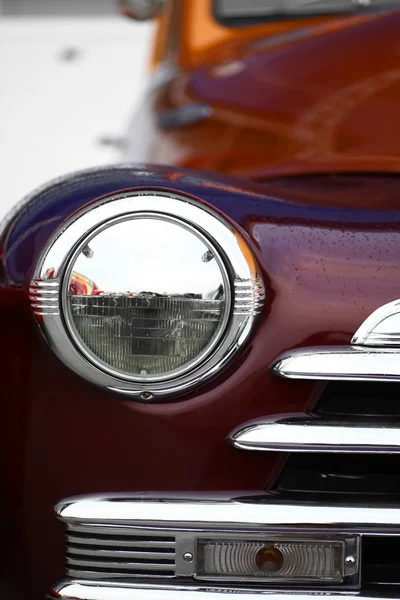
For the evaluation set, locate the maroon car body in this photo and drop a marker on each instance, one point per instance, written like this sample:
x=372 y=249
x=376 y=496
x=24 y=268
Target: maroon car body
x=311 y=126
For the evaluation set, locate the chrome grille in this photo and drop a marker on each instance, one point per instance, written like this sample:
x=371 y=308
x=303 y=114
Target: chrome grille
x=353 y=477
x=118 y=552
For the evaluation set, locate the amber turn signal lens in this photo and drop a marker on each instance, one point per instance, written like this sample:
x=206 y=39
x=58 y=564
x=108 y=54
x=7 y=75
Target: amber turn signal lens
x=272 y=560
x=269 y=559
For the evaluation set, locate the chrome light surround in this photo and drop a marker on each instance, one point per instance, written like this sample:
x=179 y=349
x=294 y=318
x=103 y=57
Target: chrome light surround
x=242 y=282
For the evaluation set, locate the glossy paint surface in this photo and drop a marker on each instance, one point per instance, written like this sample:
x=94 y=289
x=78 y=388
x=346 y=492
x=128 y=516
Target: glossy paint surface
x=325 y=269
x=323 y=98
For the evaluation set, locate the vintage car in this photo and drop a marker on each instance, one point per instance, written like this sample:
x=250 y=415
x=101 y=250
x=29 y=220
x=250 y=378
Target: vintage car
x=201 y=364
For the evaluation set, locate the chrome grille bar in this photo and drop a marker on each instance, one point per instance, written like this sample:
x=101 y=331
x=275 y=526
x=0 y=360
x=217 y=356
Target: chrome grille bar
x=343 y=363
x=372 y=356
x=111 y=574
x=120 y=554
x=259 y=511
x=302 y=433
x=92 y=541
x=101 y=551
x=118 y=565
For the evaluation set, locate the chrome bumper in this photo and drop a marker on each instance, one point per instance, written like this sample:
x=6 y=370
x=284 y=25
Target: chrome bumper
x=108 y=534
x=78 y=590
x=228 y=511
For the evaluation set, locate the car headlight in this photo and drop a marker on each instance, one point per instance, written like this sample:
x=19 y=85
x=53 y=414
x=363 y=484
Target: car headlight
x=146 y=293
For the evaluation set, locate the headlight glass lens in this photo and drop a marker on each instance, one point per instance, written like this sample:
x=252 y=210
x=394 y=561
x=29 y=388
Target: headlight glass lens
x=147 y=297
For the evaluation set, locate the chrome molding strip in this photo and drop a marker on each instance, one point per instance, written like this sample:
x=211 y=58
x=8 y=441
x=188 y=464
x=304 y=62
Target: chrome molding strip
x=372 y=356
x=302 y=433
x=83 y=590
x=255 y=511
x=345 y=363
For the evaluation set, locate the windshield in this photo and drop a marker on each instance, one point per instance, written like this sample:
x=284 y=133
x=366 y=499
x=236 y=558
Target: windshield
x=243 y=12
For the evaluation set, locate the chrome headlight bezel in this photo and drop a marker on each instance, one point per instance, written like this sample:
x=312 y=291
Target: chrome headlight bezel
x=245 y=291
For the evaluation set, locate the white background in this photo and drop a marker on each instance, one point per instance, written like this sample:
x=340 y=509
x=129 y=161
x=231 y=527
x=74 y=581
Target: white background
x=53 y=111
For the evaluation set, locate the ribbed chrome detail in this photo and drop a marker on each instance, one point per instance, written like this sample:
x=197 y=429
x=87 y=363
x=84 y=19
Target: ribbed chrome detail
x=97 y=552
x=43 y=296
x=302 y=433
x=249 y=296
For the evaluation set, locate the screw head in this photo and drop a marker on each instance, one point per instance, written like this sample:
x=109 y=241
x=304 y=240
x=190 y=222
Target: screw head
x=87 y=251
x=349 y=561
x=146 y=396
x=188 y=557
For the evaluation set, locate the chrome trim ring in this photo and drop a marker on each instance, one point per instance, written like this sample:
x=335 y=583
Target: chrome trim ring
x=245 y=290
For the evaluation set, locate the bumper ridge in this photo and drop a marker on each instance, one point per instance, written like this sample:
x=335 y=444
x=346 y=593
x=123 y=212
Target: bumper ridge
x=81 y=590
x=255 y=510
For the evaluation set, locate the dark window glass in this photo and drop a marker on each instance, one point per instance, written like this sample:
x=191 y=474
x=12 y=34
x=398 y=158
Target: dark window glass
x=244 y=12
